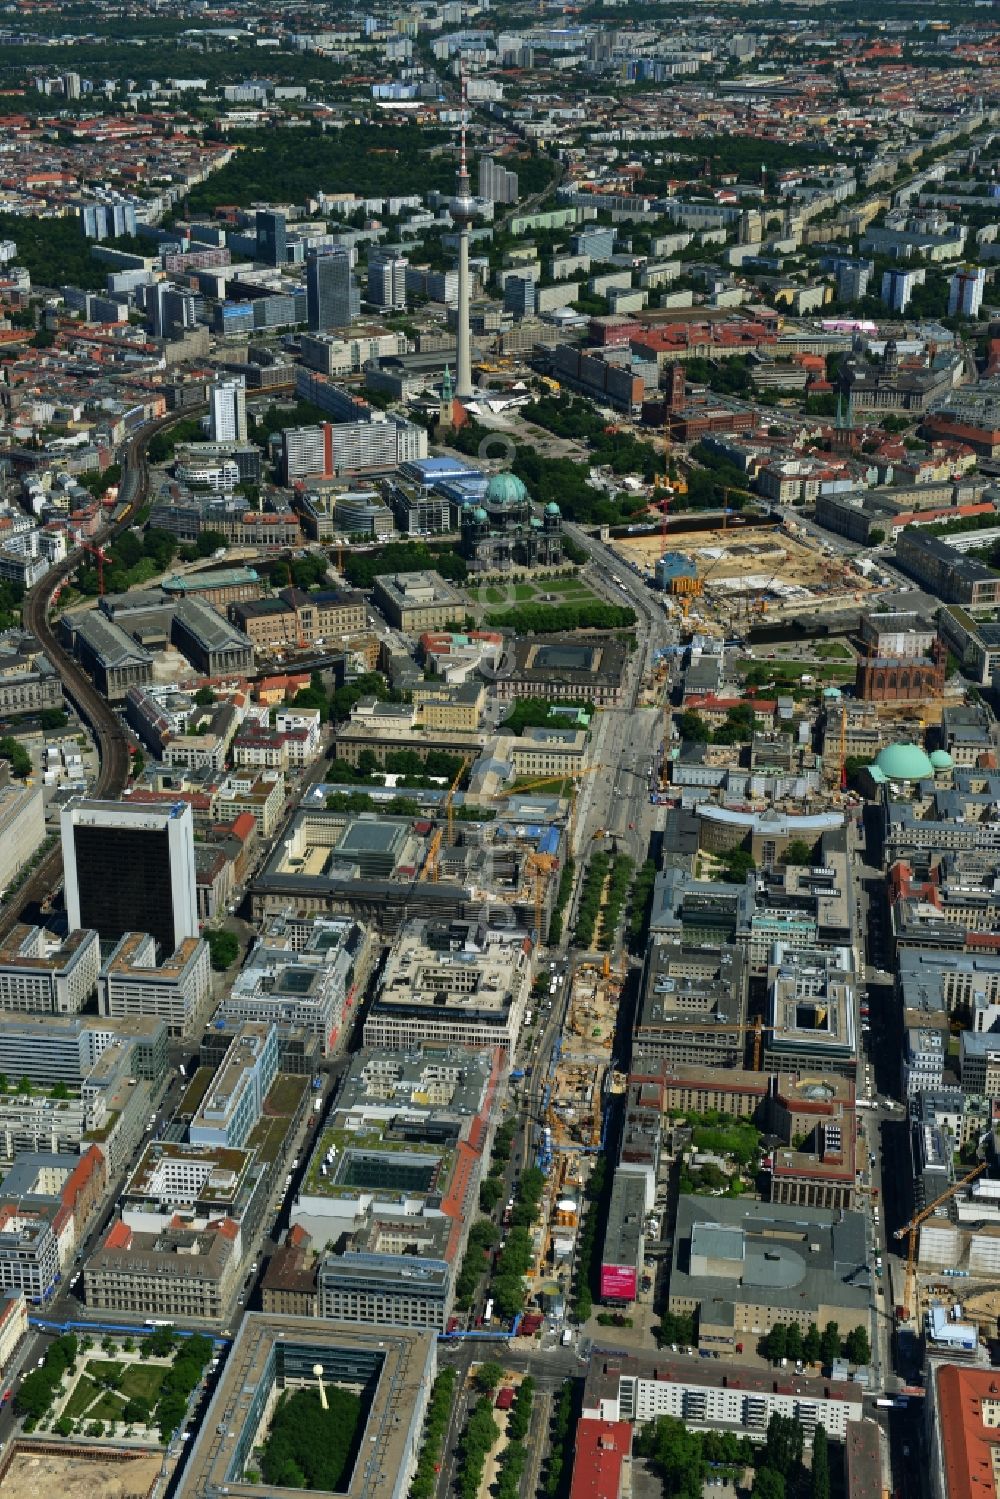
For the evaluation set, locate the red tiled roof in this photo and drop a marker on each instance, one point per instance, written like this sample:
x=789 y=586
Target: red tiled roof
x=119 y=1237
x=967 y=1444
x=601 y=1448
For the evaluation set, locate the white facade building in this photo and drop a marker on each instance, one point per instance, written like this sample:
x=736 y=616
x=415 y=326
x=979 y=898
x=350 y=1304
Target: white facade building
x=227 y=411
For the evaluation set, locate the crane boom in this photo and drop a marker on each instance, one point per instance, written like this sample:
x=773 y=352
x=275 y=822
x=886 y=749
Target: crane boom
x=912 y=1228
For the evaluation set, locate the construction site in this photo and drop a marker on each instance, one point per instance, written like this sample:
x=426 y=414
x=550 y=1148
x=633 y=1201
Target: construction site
x=771 y=571
x=580 y=1081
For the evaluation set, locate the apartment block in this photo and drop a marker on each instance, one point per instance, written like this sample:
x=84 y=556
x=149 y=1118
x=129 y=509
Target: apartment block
x=38 y=974
x=234 y=1101
x=29 y=1249
x=262 y=796
x=22 y=828
x=434 y=991
x=315 y=989
x=390 y=1189
x=639 y=1387
x=176 y=1274
x=177 y=991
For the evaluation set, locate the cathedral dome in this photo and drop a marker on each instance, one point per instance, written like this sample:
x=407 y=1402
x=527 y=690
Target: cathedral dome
x=506 y=489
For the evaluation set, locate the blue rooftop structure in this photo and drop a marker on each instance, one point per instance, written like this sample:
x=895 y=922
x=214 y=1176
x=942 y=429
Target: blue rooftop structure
x=431 y=470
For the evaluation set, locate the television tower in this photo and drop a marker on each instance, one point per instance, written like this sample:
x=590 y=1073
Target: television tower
x=463 y=210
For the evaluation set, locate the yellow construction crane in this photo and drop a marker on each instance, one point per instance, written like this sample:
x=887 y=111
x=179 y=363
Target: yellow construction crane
x=449 y=804
x=430 y=869
x=540 y=868
x=569 y=775
x=755 y=1028
x=431 y=863
x=913 y=1229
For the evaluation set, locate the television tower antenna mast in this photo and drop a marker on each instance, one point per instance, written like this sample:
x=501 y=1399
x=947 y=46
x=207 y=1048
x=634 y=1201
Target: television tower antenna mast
x=463 y=210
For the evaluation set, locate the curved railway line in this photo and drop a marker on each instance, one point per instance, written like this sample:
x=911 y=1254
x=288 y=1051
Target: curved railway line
x=109 y=736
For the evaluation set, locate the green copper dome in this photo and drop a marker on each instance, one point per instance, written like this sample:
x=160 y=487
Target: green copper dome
x=552 y=508
x=506 y=489
x=941 y=760
x=904 y=762
x=479 y=514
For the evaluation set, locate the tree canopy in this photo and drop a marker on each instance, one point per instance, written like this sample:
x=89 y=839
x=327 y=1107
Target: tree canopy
x=291 y=166
x=308 y=1447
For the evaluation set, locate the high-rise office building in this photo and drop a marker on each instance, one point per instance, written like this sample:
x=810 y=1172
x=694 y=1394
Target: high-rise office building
x=496 y=183
x=519 y=296
x=897 y=288
x=387 y=282
x=107 y=220
x=272 y=241
x=170 y=311
x=853 y=279
x=965 y=292
x=332 y=295
x=227 y=411
x=130 y=869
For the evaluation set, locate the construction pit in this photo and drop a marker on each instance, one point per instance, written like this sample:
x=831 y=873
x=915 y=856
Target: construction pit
x=592 y=1015
x=770 y=570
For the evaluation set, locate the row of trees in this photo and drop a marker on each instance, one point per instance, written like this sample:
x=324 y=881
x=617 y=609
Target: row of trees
x=483 y=1236
x=553 y=619
x=38 y=1389
x=515 y=1455
x=641 y=905
x=619 y=881
x=181 y=1379
x=435 y=1426
x=513 y=1264
x=27 y=1087
x=813 y=1346
x=589 y=908
x=359 y=801
x=562 y=901
x=560 y=1443
x=415 y=771
x=478 y=1440
x=362 y=568
x=586 y=1265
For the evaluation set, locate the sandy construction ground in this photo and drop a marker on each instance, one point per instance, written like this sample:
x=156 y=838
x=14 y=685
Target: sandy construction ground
x=32 y=1475
x=724 y=555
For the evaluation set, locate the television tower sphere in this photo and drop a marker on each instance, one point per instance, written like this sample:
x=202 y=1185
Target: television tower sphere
x=462 y=206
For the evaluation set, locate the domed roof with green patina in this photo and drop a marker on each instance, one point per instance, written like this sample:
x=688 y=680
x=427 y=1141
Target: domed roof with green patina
x=941 y=760
x=904 y=762
x=479 y=514
x=552 y=508
x=506 y=489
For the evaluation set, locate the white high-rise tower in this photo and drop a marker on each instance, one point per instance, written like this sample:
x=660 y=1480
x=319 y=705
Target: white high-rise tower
x=463 y=210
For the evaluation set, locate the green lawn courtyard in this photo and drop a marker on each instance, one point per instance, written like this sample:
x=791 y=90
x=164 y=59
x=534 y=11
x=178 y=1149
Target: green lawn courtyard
x=90 y=1400
x=533 y=591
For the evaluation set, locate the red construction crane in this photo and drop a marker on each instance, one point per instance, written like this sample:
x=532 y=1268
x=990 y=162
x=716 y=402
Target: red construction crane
x=97 y=552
